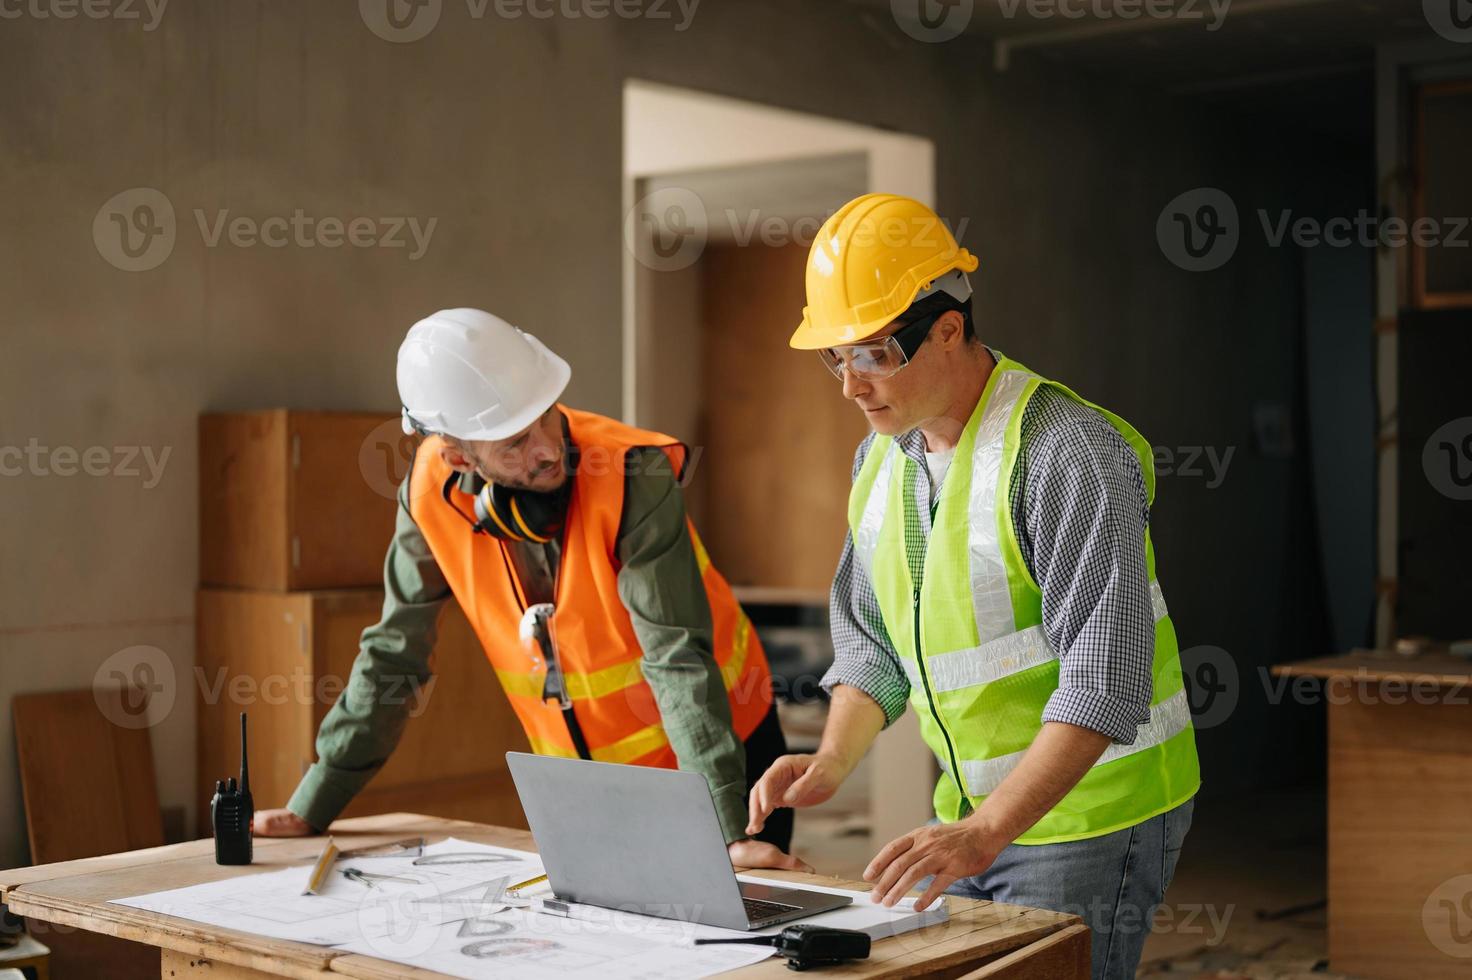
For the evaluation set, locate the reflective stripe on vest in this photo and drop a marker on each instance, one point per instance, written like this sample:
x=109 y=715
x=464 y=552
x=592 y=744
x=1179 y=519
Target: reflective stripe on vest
x=998 y=658
x=1167 y=719
x=983 y=669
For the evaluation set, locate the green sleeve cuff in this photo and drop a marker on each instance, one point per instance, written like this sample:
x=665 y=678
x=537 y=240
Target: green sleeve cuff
x=731 y=808
x=324 y=793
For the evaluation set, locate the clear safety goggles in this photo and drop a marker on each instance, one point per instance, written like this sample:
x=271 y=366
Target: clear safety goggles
x=879 y=359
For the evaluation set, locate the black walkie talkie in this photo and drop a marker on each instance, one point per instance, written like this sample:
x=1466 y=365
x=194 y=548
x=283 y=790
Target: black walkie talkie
x=806 y=945
x=231 y=812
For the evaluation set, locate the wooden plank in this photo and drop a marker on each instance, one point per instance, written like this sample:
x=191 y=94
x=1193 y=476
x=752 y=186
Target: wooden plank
x=1400 y=791
x=1440 y=669
x=1065 y=955
x=88 y=782
x=86 y=767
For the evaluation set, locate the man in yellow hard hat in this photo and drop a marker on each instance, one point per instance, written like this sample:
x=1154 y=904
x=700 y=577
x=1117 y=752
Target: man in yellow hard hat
x=999 y=575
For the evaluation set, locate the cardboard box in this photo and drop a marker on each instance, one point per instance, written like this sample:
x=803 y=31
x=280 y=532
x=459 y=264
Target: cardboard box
x=298 y=500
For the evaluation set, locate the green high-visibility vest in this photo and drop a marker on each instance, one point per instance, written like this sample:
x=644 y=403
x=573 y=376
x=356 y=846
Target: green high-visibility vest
x=970 y=637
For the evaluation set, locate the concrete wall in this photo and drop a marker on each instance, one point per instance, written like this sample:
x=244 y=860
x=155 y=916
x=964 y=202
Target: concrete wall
x=507 y=133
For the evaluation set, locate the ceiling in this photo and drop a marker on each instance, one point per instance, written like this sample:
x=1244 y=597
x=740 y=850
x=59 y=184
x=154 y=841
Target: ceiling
x=1310 y=60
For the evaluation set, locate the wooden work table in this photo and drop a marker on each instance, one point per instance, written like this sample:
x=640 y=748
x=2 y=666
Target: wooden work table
x=982 y=939
x=1400 y=810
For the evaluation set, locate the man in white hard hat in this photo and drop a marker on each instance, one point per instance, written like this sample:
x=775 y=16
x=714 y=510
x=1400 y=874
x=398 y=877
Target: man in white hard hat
x=562 y=534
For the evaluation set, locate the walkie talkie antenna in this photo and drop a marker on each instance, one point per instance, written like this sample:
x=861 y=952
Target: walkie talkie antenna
x=244 y=762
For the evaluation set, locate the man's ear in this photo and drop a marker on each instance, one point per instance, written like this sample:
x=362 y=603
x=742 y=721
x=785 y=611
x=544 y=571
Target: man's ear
x=950 y=329
x=454 y=457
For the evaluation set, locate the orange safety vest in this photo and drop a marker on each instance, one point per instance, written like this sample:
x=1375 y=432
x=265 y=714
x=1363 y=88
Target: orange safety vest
x=596 y=644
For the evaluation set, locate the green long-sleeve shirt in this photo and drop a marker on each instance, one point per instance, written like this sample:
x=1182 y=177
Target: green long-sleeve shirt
x=659 y=584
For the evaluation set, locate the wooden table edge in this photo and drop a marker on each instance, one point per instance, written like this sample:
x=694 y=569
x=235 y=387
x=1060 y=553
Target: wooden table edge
x=1441 y=671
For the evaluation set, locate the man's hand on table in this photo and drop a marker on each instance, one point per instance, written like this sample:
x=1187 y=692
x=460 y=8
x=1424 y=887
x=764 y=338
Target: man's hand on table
x=947 y=851
x=280 y=823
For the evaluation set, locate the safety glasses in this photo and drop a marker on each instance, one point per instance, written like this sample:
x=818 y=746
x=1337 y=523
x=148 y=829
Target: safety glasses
x=880 y=359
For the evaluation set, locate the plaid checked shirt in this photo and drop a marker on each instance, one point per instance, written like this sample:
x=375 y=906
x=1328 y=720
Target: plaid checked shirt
x=1079 y=506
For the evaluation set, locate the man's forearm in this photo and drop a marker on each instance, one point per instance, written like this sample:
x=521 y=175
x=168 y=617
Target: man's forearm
x=854 y=720
x=364 y=725
x=1057 y=759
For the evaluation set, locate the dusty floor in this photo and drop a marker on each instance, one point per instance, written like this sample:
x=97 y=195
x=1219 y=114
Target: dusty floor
x=1210 y=927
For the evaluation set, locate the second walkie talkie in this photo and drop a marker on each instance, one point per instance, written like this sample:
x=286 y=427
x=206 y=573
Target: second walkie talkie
x=231 y=812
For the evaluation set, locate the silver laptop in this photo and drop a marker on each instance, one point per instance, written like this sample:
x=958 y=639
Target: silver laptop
x=645 y=840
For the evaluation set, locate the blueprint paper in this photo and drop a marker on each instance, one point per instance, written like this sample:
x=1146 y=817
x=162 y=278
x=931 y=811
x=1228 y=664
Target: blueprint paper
x=600 y=943
x=446 y=911
x=451 y=880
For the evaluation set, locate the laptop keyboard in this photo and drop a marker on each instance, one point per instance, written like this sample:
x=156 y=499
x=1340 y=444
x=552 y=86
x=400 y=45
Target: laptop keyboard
x=758 y=910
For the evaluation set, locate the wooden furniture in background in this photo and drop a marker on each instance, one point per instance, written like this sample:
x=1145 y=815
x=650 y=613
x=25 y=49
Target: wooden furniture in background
x=284 y=657
x=78 y=894
x=777 y=435
x=89 y=789
x=1400 y=811
x=297 y=500
x=1441 y=273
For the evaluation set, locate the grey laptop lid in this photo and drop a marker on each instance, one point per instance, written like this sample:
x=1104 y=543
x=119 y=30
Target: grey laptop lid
x=646 y=840
x=629 y=837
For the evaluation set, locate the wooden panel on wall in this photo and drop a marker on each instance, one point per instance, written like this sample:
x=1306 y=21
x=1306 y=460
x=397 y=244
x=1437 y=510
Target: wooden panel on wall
x=778 y=437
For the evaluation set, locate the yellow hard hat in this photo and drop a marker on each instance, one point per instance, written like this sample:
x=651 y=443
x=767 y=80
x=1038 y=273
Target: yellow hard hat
x=868 y=263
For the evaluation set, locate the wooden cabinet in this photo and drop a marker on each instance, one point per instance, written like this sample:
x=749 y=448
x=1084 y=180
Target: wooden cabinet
x=298 y=500
x=1400 y=793
x=284 y=657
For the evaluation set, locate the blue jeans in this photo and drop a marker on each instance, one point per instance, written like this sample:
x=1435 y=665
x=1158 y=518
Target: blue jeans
x=1113 y=883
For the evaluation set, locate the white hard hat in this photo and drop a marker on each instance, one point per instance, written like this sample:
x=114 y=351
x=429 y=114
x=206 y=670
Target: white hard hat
x=472 y=375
